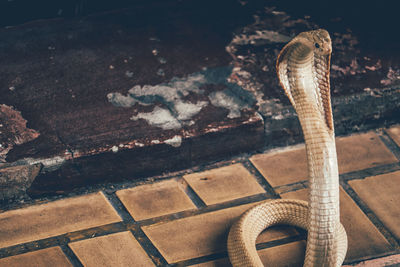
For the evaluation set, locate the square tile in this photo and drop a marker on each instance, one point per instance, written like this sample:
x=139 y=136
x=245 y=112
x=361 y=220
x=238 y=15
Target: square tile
x=388 y=261
x=381 y=193
x=224 y=184
x=283 y=166
x=394 y=132
x=55 y=218
x=156 y=199
x=287 y=255
x=48 y=257
x=362 y=151
x=120 y=249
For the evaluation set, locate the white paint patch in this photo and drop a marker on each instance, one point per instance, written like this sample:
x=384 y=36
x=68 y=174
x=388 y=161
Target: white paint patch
x=139 y=144
x=224 y=100
x=171 y=94
x=180 y=111
x=278 y=117
x=120 y=100
x=159 y=117
x=175 y=141
x=49 y=164
x=187 y=110
x=155 y=141
x=129 y=74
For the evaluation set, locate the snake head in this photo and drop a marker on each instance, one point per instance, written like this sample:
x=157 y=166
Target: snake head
x=307 y=57
x=322 y=41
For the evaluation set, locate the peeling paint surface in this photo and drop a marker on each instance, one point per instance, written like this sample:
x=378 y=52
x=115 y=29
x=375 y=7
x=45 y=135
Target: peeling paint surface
x=226 y=100
x=49 y=164
x=187 y=110
x=175 y=141
x=179 y=111
x=159 y=117
x=169 y=93
x=114 y=149
x=255 y=47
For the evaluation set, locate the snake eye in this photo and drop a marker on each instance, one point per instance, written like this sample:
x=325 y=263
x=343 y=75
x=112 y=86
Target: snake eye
x=316 y=45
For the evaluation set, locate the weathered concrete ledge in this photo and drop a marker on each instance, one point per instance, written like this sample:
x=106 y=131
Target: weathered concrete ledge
x=139 y=92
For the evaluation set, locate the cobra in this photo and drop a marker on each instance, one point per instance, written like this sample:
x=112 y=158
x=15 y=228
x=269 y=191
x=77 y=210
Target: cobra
x=303 y=67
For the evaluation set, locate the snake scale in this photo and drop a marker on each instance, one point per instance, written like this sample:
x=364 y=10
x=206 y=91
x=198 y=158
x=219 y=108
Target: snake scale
x=303 y=67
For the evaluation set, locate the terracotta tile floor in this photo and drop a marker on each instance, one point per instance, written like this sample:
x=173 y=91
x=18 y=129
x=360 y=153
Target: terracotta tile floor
x=183 y=220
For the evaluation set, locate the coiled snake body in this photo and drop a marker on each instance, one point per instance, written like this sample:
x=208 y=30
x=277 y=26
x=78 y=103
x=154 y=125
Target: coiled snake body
x=303 y=71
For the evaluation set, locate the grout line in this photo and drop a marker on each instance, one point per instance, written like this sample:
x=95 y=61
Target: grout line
x=377 y=170
x=260 y=178
x=373 y=257
x=103 y=230
x=283 y=241
x=71 y=256
x=389 y=142
x=61 y=240
x=361 y=174
x=148 y=246
x=30 y=246
x=202 y=259
x=136 y=231
x=207 y=209
x=371 y=215
x=194 y=197
x=119 y=207
x=283 y=189
x=224 y=254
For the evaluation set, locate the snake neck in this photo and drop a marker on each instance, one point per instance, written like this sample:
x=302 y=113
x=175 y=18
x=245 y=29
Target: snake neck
x=324 y=216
